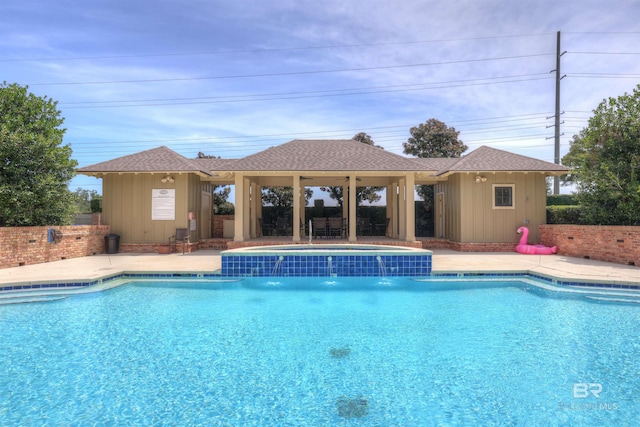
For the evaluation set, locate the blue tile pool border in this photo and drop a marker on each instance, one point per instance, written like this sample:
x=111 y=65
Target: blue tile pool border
x=334 y=265
x=85 y=283
x=545 y=279
x=217 y=275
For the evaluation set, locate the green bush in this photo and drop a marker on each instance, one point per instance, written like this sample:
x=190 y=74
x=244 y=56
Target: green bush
x=563 y=214
x=225 y=209
x=562 y=200
x=96 y=205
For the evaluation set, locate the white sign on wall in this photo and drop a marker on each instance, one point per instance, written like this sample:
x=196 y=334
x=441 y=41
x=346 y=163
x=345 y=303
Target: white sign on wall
x=163 y=204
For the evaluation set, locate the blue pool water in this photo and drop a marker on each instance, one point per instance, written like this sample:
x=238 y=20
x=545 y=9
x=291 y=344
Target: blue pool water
x=320 y=352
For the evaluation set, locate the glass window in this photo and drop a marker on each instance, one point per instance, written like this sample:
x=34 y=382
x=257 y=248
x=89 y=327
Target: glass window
x=503 y=196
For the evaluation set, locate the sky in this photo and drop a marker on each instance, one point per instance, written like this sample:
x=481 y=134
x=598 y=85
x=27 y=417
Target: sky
x=231 y=78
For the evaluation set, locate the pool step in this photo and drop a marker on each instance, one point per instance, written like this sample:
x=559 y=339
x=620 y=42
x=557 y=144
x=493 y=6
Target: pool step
x=614 y=298
x=29 y=299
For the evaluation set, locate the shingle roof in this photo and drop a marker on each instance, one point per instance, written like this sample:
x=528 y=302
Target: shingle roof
x=216 y=164
x=326 y=155
x=487 y=159
x=161 y=159
x=436 y=163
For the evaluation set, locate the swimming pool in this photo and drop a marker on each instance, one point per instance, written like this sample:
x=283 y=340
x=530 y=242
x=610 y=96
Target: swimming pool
x=322 y=351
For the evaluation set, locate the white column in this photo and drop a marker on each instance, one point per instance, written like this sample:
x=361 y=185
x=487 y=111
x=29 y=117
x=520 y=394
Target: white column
x=395 y=215
x=345 y=203
x=303 y=215
x=389 y=208
x=402 y=208
x=352 y=208
x=238 y=234
x=254 y=210
x=411 y=208
x=259 y=205
x=246 y=211
x=296 y=208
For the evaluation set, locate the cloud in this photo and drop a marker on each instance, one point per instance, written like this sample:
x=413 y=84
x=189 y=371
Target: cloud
x=377 y=43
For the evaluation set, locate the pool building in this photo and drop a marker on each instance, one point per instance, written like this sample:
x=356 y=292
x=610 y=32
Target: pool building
x=480 y=199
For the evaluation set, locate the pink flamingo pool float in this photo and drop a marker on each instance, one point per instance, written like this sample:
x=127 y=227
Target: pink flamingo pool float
x=525 y=248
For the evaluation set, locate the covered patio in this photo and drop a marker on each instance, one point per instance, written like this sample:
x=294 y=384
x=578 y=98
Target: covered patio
x=328 y=163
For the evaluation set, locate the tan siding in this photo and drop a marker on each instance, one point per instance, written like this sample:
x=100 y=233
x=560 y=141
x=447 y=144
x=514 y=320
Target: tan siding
x=504 y=220
x=452 y=207
x=145 y=213
x=193 y=203
x=481 y=223
x=478 y=214
x=455 y=200
x=127 y=202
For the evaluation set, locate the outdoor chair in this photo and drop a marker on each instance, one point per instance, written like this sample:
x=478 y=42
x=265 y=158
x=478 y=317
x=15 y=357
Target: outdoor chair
x=181 y=236
x=265 y=229
x=282 y=227
x=335 y=227
x=381 y=229
x=319 y=227
x=364 y=226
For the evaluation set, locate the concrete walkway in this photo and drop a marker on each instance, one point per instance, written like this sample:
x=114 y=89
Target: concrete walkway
x=95 y=267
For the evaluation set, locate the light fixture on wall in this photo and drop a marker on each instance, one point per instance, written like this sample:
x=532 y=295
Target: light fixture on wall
x=167 y=178
x=480 y=179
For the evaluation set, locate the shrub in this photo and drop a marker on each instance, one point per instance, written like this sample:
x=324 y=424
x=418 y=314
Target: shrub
x=96 y=205
x=563 y=214
x=562 y=200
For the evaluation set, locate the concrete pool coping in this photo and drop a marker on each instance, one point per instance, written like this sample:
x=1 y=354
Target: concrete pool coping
x=208 y=261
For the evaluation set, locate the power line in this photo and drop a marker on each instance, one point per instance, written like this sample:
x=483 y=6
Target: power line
x=603 y=53
x=602 y=32
x=261 y=50
x=604 y=75
x=301 y=95
x=245 y=138
x=293 y=73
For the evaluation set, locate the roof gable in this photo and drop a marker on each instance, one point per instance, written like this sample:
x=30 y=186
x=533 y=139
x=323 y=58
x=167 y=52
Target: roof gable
x=487 y=159
x=326 y=155
x=161 y=159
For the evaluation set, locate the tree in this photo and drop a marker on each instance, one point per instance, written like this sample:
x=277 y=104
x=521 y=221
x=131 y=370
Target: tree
x=281 y=198
x=370 y=194
x=433 y=139
x=221 y=203
x=83 y=199
x=605 y=162
x=35 y=168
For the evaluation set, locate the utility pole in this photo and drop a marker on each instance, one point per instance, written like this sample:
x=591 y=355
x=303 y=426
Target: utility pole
x=556 y=157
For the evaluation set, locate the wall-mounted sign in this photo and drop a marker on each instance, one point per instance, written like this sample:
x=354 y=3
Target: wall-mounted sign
x=163 y=204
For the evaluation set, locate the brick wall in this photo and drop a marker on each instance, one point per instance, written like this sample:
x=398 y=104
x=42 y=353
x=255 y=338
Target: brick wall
x=431 y=243
x=619 y=244
x=30 y=245
x=482 y=247
x=218 y=224
x=148 y=248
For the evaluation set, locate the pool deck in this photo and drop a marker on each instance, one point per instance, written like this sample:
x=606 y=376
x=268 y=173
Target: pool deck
x=444 y=261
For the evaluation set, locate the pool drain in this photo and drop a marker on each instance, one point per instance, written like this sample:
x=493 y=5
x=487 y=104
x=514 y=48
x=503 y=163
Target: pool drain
x=352 y=408
x=340 y=353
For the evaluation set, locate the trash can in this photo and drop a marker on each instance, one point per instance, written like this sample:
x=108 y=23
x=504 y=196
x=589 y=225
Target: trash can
x=112 y=243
